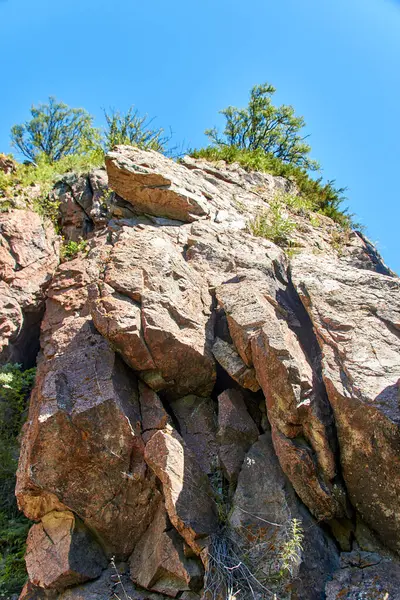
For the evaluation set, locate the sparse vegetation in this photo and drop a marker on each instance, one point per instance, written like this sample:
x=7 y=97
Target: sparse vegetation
x=273 y=224
x=134 y=130
x=322 y=197
x=15 y=386
x=70 y=249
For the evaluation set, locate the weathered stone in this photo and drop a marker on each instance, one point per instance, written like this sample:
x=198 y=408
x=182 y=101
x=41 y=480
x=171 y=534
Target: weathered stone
x=266 y=335
x=82 y=447
x=28 y=258
x=364 y=575
x=233 y=364
x=135 y=176
x=236 y=432
x=154 y=415
x=151 y=307
x=158 y=562
x=61 y=552
x=197 y=423
x=356 y=316
x=264 y=506
x=187 y=492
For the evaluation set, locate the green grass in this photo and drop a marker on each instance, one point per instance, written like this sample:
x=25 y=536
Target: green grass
x=273 y=224
x=321 y=197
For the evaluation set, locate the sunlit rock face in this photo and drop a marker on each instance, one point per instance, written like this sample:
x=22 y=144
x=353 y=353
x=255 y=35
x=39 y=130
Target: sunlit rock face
x=204 y=403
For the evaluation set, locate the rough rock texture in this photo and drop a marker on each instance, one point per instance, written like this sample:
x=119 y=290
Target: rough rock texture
x=82 y=445
x=197 y=422
x=188 y=496
x=28 y=259
x=236 y=432
x=159 y=563
x=7 y=164
x=195 y=384
x=61 y=552
x=264 y=506
x=364 y=575
x=356 y=316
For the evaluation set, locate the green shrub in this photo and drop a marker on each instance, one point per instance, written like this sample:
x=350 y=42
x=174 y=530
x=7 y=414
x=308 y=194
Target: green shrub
x=261 y=126
x=321 y=197
x=70 y=249
x=15 y=386
x=133 y=130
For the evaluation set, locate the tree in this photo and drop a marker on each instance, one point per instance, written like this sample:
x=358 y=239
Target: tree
x=133 y=130
x=263 y=126
x=55 y=131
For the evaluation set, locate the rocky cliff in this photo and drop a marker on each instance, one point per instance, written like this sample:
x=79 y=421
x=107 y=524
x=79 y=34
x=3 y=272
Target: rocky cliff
x=213 y=416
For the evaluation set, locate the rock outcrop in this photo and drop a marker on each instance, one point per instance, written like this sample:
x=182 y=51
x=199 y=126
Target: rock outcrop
x=210 y=416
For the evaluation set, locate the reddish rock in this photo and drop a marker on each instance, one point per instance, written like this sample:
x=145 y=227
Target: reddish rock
x=135 y=176
x=236 y=432
x=263 y=332
x=28 y=258
x=82 y=446
x=356 y=316
x=61 y=552
x=151 y=308
x=158 y=562
x=187 y=492
x=233 y=364
x=154 y=415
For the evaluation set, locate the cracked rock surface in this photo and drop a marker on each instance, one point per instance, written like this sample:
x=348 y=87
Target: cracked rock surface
x=199 y=394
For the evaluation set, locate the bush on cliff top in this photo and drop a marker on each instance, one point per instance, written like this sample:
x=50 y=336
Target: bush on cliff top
x=268 y=138
x=15 y=387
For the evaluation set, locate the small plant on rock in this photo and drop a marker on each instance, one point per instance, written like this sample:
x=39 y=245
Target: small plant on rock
x=70 y=249
x=273 y=224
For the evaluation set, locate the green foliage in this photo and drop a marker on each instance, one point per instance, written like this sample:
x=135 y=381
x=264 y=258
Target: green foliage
x=322 y=197
x=273 y=130
x=70 y=249
x=44 y=175
x=290 y=553
x=133 y=130
x=273 y=224
x=55 y=131
x=15 y=386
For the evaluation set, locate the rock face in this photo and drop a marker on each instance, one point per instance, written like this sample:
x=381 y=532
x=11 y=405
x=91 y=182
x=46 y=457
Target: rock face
x=208 y=414
x=359 y=335
x=28 y=259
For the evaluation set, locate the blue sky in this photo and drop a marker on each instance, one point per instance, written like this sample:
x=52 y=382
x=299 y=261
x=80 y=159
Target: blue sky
x=336 y=61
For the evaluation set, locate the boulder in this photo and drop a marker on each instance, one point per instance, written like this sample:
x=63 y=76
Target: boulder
x=154 y=185
x=356 y=317
x=153 y=308
x=188 y=496
x=236 y=432
x=61 y=552
x=233 y=364
x=158 y=562
x=7 y=164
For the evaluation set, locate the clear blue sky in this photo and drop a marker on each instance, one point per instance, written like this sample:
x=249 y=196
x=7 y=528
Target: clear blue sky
x=336 y=61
